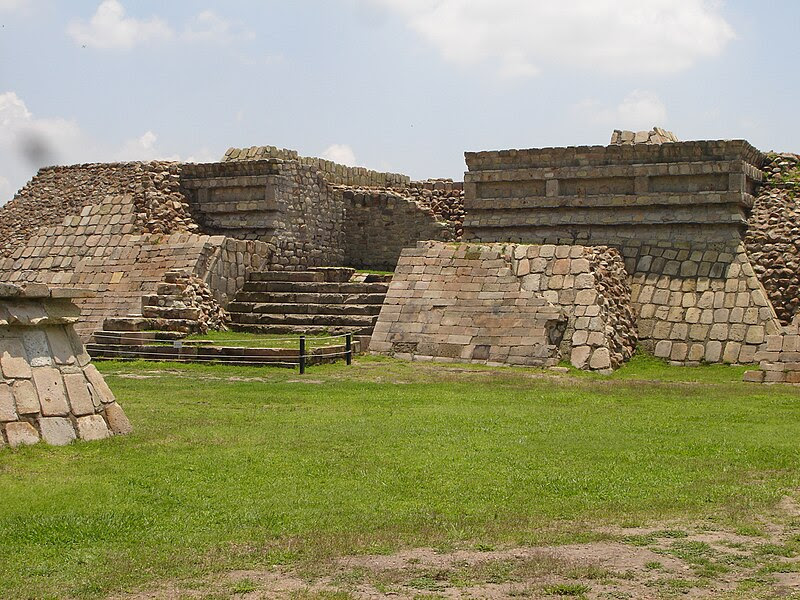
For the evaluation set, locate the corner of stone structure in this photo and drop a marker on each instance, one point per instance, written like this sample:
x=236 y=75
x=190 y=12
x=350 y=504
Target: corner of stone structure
x=49 y=390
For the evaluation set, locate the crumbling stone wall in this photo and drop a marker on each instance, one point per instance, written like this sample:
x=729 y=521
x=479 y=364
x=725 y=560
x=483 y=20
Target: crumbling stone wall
x=676 y=212
x=57 y=192
x=773 y=234
x=49 y=391
x=512 y=304
x=103 y=249
x=334 y=173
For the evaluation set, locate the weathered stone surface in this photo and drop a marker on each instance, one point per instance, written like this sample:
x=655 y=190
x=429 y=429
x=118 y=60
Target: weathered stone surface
x=78 y=394
x=48 y=396
x=92 y=427
x=52 y=395
x=21 y=433
x=13 y=361
x=26 y=398
x=56 y=431
x=8 y=411
x=99 y=384
x=117 y=419
x=472 y=302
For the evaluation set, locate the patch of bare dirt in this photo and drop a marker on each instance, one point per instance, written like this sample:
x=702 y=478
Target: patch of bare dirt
x=673 y=560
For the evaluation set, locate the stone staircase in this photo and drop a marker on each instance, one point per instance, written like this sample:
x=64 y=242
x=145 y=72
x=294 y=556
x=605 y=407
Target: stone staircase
x=320 y=300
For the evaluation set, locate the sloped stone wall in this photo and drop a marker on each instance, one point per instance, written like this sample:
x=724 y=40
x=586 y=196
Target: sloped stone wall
x=58 y=192
x=512 y=304
x=102 y=250
x=49 y=391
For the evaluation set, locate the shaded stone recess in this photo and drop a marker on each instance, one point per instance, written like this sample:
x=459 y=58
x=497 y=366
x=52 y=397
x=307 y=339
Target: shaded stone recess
x=382 y=221
x=49 y=391
x=675 y=211
x=773 y=234
x=507 y=304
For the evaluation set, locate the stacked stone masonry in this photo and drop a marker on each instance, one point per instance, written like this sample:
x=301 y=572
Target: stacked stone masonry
x=675 y=211
x=49 y=391
x=654 y=136
x=508 y=304
x=773 y=234
x=103 y=249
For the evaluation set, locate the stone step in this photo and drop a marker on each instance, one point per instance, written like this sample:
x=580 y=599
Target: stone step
x=134 y=338
x=307 y=276
x=304 y=308
x=335 y=274
x=299 y=329
x=308 y=298
x=316 y=288
x=168 y=312
x=140 y=323
x=363 y=321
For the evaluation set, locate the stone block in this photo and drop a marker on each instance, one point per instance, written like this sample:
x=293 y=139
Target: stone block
x=13 y=362
x=92 y=427
x=8 y=410
x=21 y=433
x=56 y=431
x=25 y=397
x=78 y=394
x=579 y=356
x=753 y=376
x=99 y=385
x=50 y=388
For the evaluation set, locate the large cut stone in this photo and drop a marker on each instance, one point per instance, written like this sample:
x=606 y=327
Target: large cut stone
x=92 y=428
x=26 y=397
x=117 y=419
x=78 y=392
x=13 y=361
x=52 y=396
x=21 y=433
x=99 y=384
x=7 y=411
x=56 y=431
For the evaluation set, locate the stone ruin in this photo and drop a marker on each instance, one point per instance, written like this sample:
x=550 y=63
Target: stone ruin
x=49 y=390
x=508 y=304
x=699 y=241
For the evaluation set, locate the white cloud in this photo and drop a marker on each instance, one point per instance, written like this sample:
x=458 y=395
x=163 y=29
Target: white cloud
x=109 y=27
x=28 y=143
x=210 y=27
x=519 y=38
x=640 y=110
x=12 y=5
x=340 y=153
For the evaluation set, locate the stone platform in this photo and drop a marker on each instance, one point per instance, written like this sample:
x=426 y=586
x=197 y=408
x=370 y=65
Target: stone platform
x=49 y=390
x=508 y=304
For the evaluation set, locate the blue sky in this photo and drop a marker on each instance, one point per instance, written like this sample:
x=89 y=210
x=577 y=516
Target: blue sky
x=399 y=85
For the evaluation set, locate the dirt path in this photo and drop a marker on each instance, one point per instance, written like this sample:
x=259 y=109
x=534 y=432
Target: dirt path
x=670 y=561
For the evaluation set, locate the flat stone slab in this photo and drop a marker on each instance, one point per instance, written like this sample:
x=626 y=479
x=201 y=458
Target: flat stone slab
x=57 y=431
x=92 y=427
x=21 y=433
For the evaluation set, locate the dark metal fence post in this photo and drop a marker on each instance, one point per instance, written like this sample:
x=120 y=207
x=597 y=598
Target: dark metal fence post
x=348 y=348
x=302 y=354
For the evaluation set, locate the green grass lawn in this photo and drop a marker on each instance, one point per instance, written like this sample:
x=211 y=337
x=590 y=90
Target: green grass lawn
x=238 y=467
x=260 y=340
